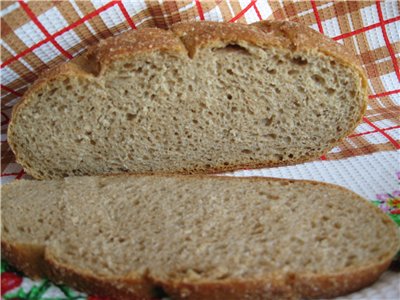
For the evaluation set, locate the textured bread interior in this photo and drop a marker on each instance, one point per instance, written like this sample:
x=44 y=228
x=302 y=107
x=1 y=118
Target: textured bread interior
x=228 y=107
x=36 y=205
x=201 y=229
x=218 y=229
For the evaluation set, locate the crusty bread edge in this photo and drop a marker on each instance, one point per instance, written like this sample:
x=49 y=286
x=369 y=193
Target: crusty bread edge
x=29 y=258
x=289 y=32
x=286 y=286
x=111 y=286
x=290 y=286
x=283 y=286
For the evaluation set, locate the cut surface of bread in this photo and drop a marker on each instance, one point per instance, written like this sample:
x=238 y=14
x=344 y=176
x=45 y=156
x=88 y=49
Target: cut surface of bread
x=199 y=98
x=200 y=237
x=36 y=205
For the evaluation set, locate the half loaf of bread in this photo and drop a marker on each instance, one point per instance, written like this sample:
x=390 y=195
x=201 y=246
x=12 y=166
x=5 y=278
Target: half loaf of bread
x=199 y=98
x=128 y=237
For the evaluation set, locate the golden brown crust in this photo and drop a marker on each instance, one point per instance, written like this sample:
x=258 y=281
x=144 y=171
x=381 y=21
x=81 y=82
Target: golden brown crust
x=133 y=43
x=188 y=37
x=298 y=37
x=28 y=258
x=197 y=35
x=115 y=287
x=274 y=286
x=334 y=285
x=277 y=286
x=280 y=286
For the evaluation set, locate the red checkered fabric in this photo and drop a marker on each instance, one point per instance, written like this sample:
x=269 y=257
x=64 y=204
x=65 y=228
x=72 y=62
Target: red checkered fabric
x=37 y=35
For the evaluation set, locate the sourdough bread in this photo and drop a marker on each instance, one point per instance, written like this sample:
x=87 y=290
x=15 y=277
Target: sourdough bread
x=199 y=98
x=197 y=237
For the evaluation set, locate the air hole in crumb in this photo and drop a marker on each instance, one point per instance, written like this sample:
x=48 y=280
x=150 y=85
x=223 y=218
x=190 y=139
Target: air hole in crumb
x=330 y=91
x=325 y=218
x=229 y=96
x=318 y=79
x=52 y=91
x=287 y=139
x=299 y=61
x=293 y=72
x=130 y=116
x=271 y=136
x=229 y=71
x=247 y=151
x=271 y=71
x=301 y=89
x=232 y=48
x=268 y=121
x=273 y=197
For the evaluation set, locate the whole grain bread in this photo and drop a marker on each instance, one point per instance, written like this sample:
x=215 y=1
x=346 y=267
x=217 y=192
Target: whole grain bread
x=199 y=98
x=196 y=237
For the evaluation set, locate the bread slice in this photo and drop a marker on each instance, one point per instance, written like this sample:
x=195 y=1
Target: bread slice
x=198 y=237
x=29 y=214
x=199 y=98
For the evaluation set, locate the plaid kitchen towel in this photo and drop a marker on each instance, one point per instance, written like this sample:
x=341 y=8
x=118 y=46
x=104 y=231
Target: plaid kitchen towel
x=37 y=35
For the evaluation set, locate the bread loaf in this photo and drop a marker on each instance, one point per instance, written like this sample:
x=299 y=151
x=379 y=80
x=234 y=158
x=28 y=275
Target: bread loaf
x=128 y=237
x=199 y=98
